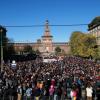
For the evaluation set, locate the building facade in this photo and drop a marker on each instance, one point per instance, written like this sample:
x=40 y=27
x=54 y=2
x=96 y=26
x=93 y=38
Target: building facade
x=45 y=45
x=94 y=29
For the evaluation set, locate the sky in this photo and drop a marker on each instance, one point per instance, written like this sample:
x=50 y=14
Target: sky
x=36 y=12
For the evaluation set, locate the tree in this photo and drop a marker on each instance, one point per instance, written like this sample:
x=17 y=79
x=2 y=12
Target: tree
x=37 y=52
x=63 y=52
x=10 y=47
x=28 y=49
x=76 y=43
x=57 y=50
x=83 y=44
x=11 y=50
x=89 y=44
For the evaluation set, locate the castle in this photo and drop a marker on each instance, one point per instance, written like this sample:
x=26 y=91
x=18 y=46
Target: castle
x=45 y=45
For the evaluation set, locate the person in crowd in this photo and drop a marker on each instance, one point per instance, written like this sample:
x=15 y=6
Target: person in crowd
x=59 y=94
x=24 y=91
x=37 y=93
x=28 y=92
x=19 y=92
x=55 y=93
x=98 y=89
x=73 y=93
x=89 y=91
x=11 y=93
x=51 y=92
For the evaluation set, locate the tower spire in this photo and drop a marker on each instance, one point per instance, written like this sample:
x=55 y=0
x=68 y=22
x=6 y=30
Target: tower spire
x=47 y=31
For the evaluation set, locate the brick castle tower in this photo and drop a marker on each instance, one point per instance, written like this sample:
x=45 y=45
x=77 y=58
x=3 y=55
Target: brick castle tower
x=47 y=40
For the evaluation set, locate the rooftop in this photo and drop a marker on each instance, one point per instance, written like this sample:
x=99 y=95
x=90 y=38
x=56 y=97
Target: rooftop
x=95 y=22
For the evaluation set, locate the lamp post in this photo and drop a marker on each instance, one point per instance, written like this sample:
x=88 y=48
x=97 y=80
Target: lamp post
x=1 y=30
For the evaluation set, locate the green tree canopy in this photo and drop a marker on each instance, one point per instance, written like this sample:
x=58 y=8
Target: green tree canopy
x=57 y=50
x=37 y=52
x=28 y=49
x=83 y=44
x=76 y=42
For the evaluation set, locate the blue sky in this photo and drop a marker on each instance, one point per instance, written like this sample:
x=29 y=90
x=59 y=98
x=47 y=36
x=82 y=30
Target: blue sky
x=33 y=12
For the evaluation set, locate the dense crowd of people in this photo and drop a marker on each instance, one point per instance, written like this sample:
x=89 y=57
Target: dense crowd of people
x=72 y=78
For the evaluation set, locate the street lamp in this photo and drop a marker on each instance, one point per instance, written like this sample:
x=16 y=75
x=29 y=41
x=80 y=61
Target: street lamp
x=1 y=30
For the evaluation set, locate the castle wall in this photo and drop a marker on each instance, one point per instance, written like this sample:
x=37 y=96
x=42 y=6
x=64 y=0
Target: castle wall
x=64 y=47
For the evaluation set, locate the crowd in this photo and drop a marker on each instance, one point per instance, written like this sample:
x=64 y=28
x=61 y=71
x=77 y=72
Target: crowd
x=72 y=78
